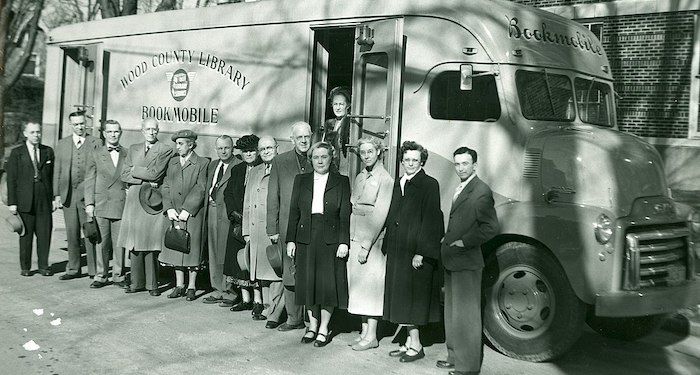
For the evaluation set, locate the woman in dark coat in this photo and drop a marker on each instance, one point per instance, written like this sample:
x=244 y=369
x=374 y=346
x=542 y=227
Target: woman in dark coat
x=336 y=130
x=233 y=198
x=414 y=227
x=318 y=238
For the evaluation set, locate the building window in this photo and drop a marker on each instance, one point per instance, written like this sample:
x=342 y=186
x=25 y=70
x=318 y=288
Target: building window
x=32 y=67
x=595 y=27
x=694 y=109
x=449 y=102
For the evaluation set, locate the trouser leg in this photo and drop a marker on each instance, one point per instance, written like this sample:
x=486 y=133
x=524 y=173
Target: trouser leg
x=449 y=314
x=295 y=313
x=117 y=252
x=103 y=249
x=43 y=226
x=70 y=214
x=138 y=272
x=90 y=253
x=26 y=241
x=275 y=300
x=151 y=268
x=466 y=319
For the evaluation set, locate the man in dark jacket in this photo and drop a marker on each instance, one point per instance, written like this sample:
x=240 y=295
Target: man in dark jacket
x=29 y=195
x=472 y=222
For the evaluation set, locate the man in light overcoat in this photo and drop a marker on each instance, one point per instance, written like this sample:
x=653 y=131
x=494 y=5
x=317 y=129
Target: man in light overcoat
x=105 y=194
x=283 y=170
x=472 y=222
x=69 y=188
x=218 y=175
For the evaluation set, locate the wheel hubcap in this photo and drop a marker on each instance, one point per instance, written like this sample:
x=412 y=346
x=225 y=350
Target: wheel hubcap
x=525 y=301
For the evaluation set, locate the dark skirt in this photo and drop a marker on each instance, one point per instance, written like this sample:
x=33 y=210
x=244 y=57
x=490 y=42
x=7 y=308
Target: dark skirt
x=411 y=296
x=321 y=277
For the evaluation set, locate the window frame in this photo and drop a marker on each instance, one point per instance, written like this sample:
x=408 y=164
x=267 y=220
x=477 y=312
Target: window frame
x=456 y=71
x=546 y=71
x=610 y=102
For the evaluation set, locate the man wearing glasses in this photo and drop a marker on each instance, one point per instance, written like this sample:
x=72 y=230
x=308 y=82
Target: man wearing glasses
x=69 y=174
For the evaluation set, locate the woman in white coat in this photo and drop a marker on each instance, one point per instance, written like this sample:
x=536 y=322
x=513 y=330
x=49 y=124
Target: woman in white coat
x=371 y=197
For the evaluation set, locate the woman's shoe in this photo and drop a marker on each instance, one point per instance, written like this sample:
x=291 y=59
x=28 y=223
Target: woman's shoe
x=177 y=292
x=398 y=352
x=355 y=341
x=242 y=306
x=410 y=358
x=308 y=339
x=190 y=295
x=320 y=344
x=364 y=345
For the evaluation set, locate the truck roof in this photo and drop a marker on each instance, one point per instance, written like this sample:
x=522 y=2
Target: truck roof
x=510 y=33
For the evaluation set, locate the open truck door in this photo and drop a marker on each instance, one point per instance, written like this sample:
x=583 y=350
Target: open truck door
x=378 y=65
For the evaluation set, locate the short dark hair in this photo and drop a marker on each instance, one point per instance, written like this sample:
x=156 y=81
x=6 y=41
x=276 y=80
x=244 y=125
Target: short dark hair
x=413 y=146
x=112 y=122
x=465 y=150
x=76 y=114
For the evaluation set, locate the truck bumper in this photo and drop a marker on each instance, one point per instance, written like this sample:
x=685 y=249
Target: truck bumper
x=650 y=301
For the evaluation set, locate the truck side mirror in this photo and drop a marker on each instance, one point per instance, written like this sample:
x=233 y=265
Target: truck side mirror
x=465 y=73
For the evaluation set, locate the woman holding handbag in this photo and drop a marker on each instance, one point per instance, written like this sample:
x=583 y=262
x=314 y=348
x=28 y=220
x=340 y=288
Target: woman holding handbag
x=184 y=190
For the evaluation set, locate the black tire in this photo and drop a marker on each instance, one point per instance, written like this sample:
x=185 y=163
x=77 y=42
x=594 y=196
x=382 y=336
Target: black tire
x=627 y=329
x=530 y=311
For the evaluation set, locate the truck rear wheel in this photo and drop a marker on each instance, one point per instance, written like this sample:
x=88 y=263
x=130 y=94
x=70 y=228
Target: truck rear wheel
x=530 y=311
x=628 y=329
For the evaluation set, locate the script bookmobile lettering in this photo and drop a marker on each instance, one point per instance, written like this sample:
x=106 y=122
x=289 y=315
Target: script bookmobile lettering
x=200 y=115
x=582 y=42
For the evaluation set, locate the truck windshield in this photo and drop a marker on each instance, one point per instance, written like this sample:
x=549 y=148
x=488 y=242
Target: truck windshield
x=594 y=101
x=545 y=96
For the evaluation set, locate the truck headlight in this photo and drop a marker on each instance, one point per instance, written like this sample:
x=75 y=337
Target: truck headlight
x=603 y=229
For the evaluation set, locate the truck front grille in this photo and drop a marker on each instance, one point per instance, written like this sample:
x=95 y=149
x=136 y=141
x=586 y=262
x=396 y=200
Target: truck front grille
x=656 y=257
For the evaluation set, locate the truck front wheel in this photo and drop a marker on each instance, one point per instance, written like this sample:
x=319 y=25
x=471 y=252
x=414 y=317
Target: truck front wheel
x=530 y=311
x=628 y=329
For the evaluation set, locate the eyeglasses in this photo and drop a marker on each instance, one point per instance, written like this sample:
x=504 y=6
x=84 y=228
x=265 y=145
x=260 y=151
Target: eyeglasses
x=261 y=149
x=410 y=160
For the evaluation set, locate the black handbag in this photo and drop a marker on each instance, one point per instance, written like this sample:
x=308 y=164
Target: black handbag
x=177 y=239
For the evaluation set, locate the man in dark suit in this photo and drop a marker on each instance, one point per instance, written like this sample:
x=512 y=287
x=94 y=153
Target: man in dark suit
x=105 y=194
x=472 y=222
x=284 y=168
x=218 y=176
x=68 y=188
x=29 y=195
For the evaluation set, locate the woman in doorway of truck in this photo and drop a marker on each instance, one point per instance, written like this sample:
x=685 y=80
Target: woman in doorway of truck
x=414 y=228
x=336 y=130
x=371 y=196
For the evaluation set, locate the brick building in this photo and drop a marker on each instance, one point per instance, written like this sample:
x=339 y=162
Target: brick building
x=654 y=52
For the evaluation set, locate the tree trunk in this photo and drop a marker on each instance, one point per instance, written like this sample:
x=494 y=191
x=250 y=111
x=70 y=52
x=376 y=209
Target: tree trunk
x=108 y=9
x=11 y=77
x=166 y=5
x=4 y=24
x=129 y=7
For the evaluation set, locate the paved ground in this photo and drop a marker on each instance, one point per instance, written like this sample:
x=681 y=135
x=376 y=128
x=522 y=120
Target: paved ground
x=108 y=332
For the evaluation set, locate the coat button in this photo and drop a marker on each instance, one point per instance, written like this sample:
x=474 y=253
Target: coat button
x=258 y=189
x=397 y=223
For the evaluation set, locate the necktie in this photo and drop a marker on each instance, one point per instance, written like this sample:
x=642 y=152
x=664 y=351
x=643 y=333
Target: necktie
x=79 y=143
x=459 y=189
x=219 y=176
x=35 y=162
x=148 y=147
x=116 y=148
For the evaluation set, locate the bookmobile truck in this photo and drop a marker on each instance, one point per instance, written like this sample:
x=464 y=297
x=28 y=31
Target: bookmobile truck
x=589 y=232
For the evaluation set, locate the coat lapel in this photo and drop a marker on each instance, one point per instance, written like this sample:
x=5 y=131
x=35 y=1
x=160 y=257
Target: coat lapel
x=464 y=194
x=333 y=181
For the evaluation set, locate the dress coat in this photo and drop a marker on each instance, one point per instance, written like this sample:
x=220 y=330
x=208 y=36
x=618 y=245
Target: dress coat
x=285 y=167
x=138 y=232
x=371 y=197
x=62 y=169
x=321 y=277
x=222 y=223
x=254 y=222
x=233 y=196
x=103 y=185
x=20 y=178
x=414 y=225
x=184 y=188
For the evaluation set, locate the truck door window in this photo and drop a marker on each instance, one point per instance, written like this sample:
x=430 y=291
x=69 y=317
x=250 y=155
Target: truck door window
x=545 y=96
x=594 y=101
x=449 y=102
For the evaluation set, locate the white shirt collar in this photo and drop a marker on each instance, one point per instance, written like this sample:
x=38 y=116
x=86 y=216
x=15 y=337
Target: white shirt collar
x=186 y=158
x=408 y=177
x=321 y=177
x=466 y=182
x=77 y=138
x=30 y=146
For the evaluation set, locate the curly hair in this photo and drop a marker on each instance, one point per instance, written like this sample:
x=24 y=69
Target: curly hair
x=317 y=145
x=414 y=146
x=342 y=91
x=247 y=143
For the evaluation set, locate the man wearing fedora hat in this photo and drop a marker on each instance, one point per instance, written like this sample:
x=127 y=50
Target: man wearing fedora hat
x=143 y=172
x=105 y=194
x=29 y=196
x=68 y=188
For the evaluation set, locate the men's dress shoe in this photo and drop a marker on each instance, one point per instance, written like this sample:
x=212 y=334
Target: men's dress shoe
x=288 y=327
x=210 y=300
x=308 y=339
x=25 y=273
x=177 y=292
x=97 y=284
x=444 y=364
x=226 y=303
x=189 y=295
x=271 y=324
x=131 y=289
x=242 y=306
x=410 y=358
x=154 y=292
x=122 y=284
x=361 y=346
x=46 y=272
x=257 y=311
x=455 y=372
x=259 y=317
x=320 y=344
x=69 y=276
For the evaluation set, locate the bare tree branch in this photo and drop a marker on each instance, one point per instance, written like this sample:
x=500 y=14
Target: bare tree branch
x=12 y=76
